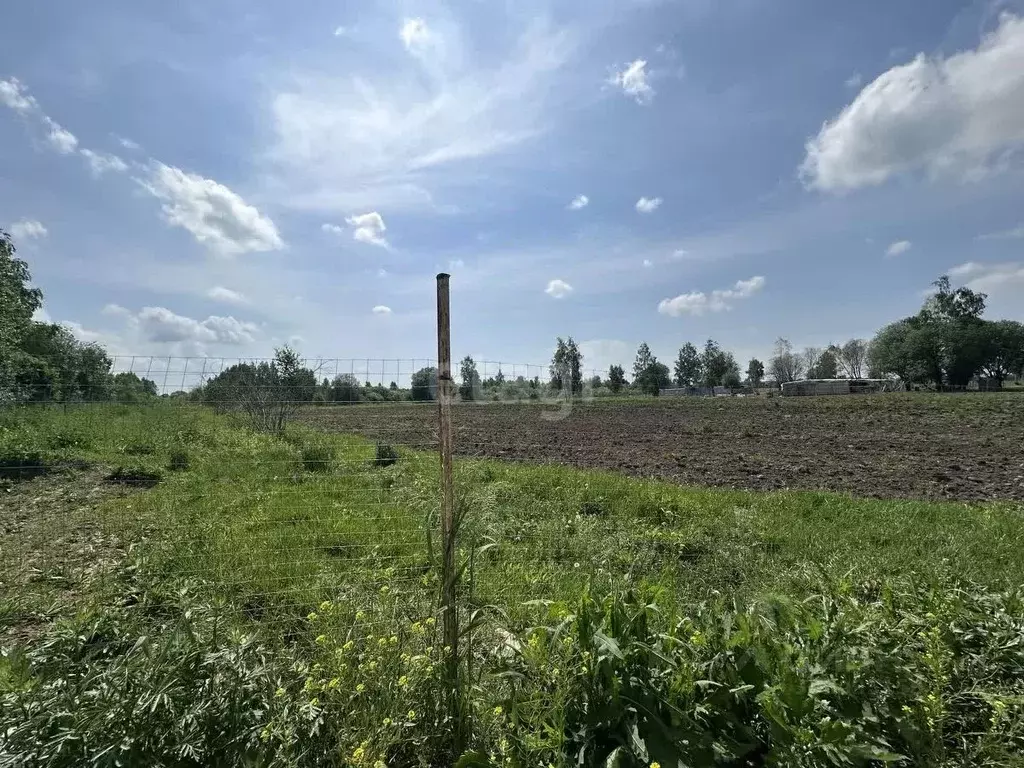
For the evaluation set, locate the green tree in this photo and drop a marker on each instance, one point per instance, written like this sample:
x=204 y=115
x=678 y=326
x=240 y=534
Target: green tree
x=755 y=372
x=687 y=369
x=649 y=376
x=643 y=361
x=470 y=388
x=825 y=366
x=129 y=388
x=1004 y=350
x=345 y=389
x=424 y=384
x=575 y=359
x=560 y=372
x=616 y=378
x=716 y=364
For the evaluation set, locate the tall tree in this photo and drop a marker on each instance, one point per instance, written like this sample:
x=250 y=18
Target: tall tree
x=575 y=360
x=755 y=372
x=469 y=389
x=424 y=384
x=716 y=364
x=852 y=358
x=826 y=366
x=616 y=378
x=560 y=373
x=687 y=369
x=785 y=365
x=643 y=361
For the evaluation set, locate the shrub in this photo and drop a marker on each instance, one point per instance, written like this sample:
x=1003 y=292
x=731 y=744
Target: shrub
x=69 y=438
x=179 y=461
x=317 y=456
x=385 y=455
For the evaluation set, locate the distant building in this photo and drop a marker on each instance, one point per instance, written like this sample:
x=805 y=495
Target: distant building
x=811 y=387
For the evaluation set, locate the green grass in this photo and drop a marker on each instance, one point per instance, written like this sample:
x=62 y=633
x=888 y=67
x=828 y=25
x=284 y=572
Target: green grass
x=303 y=543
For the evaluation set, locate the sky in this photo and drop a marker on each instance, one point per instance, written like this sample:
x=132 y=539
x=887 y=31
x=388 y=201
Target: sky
x=217 y=179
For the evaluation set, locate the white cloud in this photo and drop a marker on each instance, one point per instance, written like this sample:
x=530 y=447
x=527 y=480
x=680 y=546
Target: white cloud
x=958 y=115
x=648 y=263
x=382 y=272
x=854 y=80
x=679 y=253
x=368 y=228
x=115 y=309
x=578 y=202
x=648 y=204
x=82 y=334
x=414 y=34
x=1007 y=234
x=100 y=163
x=128 y=143
x=59 y=137
x=898 y=248
x=159 y=324
x=367 y=139
x=228 y=296
x=332 y=229
x=340 y=31
x=216 y=216
x=14 y=95
x=558 y=289
x=633 y=81
x=28 y=229
x=1003 y=282
x=41 y=316
x=698 y=302
x=380 y=309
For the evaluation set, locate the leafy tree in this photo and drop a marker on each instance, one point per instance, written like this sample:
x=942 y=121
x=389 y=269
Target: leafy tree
x=732 y=379
x=715 y=364
x=649 y=376
x=643 y=361
x=821 y=363
x=785 y=365
x=567 y=367
x=129 y=388
x=424 y=384
x=595 y=382
x=1004 y=350
x=470 y=387
x=688 y=366
x=755 y=372
x=345 y=389
x=616 y=378
x=575 y=358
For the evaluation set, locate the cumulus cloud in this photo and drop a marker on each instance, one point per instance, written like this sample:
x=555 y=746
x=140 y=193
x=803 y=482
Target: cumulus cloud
x=960 y=114
x=1003 y=282
x=81 y=333
x=414 y=34
x=159 y=324
x=215 y=215
x=698 y=302
x=380 y=309
x=115 y=309
x=16 y=96
x=332 y=229
x=558 y=289
x=228 y=296
x=28 y=229
x=368 y=228
x=100 y=162
x=59 y=137
x=648 y=204
x=578 y=202
x=633 y=80
x=898 y=248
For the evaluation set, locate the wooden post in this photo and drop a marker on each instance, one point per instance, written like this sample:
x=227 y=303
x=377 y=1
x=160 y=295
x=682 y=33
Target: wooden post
x=448 y=523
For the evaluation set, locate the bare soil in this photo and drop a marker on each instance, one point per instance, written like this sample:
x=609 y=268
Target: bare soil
x=966 y=447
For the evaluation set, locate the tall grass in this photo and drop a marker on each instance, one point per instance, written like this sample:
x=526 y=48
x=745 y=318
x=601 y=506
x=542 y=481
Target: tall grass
x=302 y=572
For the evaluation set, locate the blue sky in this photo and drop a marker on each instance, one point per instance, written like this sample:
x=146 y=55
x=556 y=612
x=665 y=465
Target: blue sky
x=217 y=178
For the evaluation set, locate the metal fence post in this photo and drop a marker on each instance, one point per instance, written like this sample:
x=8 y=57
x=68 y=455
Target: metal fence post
x=448 y=524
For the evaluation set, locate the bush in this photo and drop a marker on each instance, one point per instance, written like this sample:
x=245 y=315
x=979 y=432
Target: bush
x=385 y=455
x=855 y=675
x=179 y=461
x=69 y=438
x=317 y=456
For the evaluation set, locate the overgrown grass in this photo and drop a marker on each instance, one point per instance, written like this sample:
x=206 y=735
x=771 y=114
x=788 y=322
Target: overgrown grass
x=307 y=569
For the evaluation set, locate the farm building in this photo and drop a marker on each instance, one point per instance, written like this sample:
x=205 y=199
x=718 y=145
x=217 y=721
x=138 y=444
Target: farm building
x=807 y=387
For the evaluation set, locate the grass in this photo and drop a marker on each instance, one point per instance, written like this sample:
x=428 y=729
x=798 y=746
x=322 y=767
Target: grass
x=307 y=566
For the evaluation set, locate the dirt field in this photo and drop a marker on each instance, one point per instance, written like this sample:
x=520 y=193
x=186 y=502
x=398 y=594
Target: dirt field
x=966 y=447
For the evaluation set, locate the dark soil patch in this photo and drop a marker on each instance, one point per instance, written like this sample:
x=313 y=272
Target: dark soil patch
x=941 y=447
